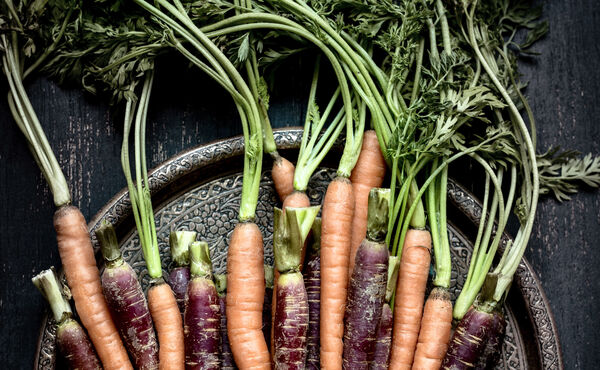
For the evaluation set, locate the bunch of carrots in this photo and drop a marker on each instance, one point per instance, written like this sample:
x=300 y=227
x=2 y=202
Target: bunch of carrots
x=348 y=289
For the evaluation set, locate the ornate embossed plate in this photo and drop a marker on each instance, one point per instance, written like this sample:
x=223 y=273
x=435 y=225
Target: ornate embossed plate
x=200 y=190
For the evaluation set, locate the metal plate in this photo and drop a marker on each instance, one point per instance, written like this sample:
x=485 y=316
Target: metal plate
x=200 y=190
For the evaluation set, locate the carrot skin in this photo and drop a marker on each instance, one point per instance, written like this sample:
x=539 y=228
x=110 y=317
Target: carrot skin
x=312 y=282
x=202 y=326
x=493 y=346
x=410 y=296
x=169 y=326
x=75 y=346
x=179 y=278
x=366 y=295
x=469 y=340
x=291 y=322
x=434 y=334
x=383 y=344
x=130 y=311
x=83 y=278
x=366 y=175
x=283 y=177
x=296 y=199
x=245 y=297
x=227 y=362
x=338 y=209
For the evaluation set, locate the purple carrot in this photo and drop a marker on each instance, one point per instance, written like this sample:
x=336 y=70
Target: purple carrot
x=367 y=287
x=268 y=303
x=470 y=339
x=202 y=318
x=227 y=361
x=179 y=242
x=73 y=343
x=127 y=302
x=312 y=282
x=383 y=344
x=493 y=346
x=291 y=311
x=291 y=322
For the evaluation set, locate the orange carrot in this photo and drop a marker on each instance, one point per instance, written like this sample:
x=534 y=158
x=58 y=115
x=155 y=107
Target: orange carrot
x=366 y=175
x=245 y=296
x=167 y=319
x=338 y=208
x=410 y=294
x=435 y=330
x=83 y=277
x=283 y=176
x=296 y=199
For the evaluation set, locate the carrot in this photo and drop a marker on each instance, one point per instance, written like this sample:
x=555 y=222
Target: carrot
x=290 y=230
x=72 y=341
x=245 y=296
x=161 y=299
x=338 y=209
x=410 y=294
x=366 y=175
x=436 y=323
x=297 y=199
x=435 y=330
x=283 y=176
x=83 y=277
x=167 y=319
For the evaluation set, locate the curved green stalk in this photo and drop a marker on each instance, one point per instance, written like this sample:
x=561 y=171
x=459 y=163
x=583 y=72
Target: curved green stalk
x=436 y=212
x=221 y=66
x=511 y=266
x=28 y=122
x=139 y=192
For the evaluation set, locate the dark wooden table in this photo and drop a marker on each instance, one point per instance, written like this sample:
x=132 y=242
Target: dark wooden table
x=564 y=92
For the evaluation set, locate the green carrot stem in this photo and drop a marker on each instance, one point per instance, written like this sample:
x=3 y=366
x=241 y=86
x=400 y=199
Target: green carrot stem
x=316 y=236
x=28 y=122
x=481 y=227
x=444 y=266
x=503 y=285
x=251 y=123
x=269 y=276
x=220 y=283
x=200 y=263
x=290 y=230
x=485 y=254
x=139 y=193
x=47 y=283
x=417 y=220
x=429 y=180
x=393 y=268
x=353 y=144
x=179 y=243
x=416 y=86
x=377 y=214
x=109 y=245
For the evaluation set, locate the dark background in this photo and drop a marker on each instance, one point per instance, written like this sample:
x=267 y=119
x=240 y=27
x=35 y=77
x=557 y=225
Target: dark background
x=564 y=92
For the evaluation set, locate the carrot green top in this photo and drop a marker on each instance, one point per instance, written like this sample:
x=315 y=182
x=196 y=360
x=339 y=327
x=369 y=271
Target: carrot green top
x=289 y=233
x=109 y=244
x=179 y=242
x=201 y=265
x=49 y=286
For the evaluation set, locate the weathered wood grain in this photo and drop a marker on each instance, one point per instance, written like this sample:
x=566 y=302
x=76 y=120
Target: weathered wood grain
x=564 y=92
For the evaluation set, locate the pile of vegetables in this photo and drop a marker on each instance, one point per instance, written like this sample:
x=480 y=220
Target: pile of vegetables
x=419 y=85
